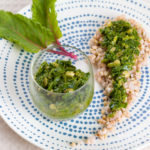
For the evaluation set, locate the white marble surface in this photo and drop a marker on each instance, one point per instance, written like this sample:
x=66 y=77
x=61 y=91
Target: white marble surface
x=9 y=140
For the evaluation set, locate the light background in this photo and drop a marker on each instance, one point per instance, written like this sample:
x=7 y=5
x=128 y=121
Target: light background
x=9 y=140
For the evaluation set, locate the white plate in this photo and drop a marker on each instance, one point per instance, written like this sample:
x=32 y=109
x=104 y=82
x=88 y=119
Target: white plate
x=78 y=19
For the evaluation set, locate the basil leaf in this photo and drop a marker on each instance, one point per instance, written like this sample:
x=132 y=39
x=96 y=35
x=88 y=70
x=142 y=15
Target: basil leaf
x=24 y=32
x=43 y=11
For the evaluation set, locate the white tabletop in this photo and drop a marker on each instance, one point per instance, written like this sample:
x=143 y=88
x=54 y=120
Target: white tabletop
x=9 y=140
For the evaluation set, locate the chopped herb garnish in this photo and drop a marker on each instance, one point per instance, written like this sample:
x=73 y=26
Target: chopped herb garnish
x=60 y=76
x=121 y=42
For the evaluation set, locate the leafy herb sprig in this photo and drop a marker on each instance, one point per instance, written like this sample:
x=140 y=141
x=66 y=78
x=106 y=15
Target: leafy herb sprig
x=33 y=34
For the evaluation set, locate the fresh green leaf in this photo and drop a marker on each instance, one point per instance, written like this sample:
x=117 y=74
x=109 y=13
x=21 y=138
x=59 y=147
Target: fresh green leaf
x=24 y=32
x=43 y=11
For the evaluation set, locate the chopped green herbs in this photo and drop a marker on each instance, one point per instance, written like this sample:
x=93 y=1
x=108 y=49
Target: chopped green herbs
x=61 y=79
x=60 y=76
x=63 y=106
x=121 y=42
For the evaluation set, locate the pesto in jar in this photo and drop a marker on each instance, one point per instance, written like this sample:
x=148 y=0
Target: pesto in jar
x=121 y=42
x=60 y=79
x=60 y=76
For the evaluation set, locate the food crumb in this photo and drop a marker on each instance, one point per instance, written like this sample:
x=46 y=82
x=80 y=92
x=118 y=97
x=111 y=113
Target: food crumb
x=73 y=144
x=90 y=140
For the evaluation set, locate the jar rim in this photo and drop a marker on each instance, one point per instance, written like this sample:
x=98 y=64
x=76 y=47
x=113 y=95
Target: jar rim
x=54 y=46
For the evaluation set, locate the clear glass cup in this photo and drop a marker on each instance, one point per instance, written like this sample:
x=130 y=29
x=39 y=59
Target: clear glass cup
x=62 y=105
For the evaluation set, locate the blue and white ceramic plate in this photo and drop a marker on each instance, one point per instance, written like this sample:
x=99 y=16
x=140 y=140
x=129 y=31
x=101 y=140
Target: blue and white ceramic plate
x=79 y=20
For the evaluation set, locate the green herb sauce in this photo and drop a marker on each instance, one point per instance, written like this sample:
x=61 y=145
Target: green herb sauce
x=60 y=76
x=121 y=42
